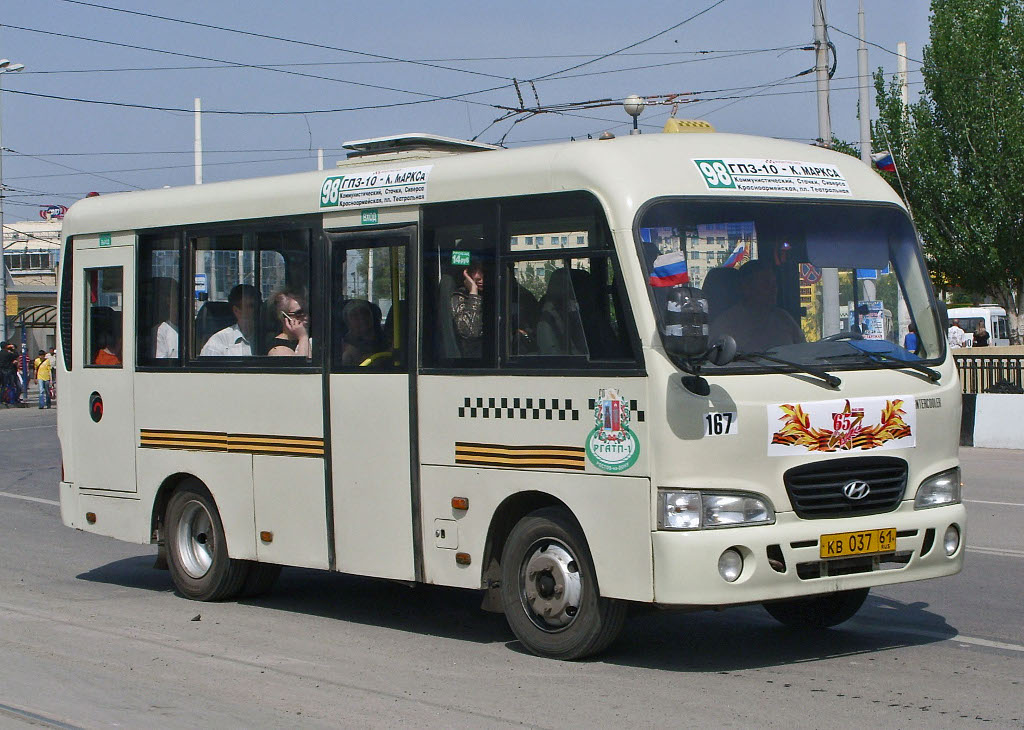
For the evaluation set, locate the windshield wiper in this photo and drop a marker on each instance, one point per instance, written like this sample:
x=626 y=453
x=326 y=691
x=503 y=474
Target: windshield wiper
x=829 y=378
x=897 y=364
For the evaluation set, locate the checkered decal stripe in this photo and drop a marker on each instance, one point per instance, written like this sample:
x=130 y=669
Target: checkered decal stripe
x=633 y=409
x=520 y=457
x=535 y=409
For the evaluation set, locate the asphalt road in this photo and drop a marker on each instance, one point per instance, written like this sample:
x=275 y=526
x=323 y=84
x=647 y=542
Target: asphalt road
x=91 y=636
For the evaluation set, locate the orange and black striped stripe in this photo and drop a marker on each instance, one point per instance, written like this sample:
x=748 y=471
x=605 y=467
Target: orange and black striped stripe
x=236 y=443
x=520 y=457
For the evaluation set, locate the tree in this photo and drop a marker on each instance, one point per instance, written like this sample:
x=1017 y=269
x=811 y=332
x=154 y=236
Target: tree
x=959 y=149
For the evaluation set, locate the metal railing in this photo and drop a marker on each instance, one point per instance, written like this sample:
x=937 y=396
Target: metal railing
x=978 y=373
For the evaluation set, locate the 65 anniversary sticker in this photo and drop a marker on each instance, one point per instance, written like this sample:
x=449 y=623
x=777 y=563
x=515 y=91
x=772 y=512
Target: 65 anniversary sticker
x=376 y=187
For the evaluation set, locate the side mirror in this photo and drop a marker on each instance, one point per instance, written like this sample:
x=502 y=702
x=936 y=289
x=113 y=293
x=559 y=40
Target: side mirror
x=686 y=322
x=723 y=351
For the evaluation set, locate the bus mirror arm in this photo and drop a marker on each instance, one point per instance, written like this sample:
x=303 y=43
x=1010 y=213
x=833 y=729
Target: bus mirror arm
x=721 y=352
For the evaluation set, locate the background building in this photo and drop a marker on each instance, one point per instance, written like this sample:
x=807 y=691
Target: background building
x=32 y=258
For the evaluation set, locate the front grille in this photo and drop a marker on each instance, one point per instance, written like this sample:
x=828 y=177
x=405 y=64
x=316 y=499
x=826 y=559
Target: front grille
x=816 y=490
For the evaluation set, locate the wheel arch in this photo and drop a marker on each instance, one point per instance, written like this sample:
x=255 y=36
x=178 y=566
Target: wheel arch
x=163 y=495
x=512 y=509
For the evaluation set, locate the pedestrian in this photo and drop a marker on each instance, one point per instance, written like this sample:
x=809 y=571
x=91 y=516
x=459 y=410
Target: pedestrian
x=980 y=335
x=8 y=374
x=43 y=379
x=955 y=335
x=910 y=341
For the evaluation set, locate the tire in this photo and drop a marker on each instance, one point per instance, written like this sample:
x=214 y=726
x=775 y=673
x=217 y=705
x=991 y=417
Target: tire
x=818 y=612
x=261 y=579
x=546 y=564
x=197 y=552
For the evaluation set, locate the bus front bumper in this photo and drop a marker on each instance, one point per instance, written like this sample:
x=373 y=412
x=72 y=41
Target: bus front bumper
x=782 y=560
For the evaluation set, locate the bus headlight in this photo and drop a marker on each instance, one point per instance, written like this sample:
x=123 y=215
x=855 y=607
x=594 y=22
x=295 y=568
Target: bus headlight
x=939 y=490
x=687 y=510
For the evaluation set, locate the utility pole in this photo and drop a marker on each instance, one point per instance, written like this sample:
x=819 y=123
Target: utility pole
x=865 y=94
x=5 y=67
x=901 y=68
x=829 y=277
x=199 y=141
x=821 y=71
x=320 y=158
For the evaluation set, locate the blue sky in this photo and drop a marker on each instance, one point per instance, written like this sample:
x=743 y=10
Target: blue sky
x=52 y=142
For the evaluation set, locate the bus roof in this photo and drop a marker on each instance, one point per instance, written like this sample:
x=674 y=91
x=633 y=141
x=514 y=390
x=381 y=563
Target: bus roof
x=622 y=172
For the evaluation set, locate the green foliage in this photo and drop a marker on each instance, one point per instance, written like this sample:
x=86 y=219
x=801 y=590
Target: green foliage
x=959 y=150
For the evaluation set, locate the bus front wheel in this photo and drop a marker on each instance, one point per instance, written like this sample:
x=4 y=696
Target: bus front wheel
x=197 y=551
x=549 y=589
x=818 y=612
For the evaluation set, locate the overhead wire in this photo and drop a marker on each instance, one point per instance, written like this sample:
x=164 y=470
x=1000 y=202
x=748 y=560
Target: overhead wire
x=282 y=39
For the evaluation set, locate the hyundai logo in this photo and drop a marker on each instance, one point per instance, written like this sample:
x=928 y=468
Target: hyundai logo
x=856 y=490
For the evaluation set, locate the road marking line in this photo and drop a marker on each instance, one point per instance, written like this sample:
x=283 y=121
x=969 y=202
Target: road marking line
x=1005 y=552
x=30 y=499
x=1002 y=504
x=33 y=718
x=988 y=643
x=27 y=428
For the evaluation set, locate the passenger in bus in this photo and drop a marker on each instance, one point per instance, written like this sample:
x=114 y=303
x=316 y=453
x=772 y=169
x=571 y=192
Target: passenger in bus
x=467 y=310
x=293 y=319
x=236 y=340
x=560 y=331
x=109 y=353
x=165 y=335
x=756 y=321
x=363 y=334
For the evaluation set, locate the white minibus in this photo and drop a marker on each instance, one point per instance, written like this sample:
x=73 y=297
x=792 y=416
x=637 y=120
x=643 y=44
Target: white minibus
x=577 y=377
x=992 y=317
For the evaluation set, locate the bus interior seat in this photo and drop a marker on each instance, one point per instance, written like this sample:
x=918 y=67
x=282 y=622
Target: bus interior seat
x=721 y=289
x=524 y=312
x=560 y=330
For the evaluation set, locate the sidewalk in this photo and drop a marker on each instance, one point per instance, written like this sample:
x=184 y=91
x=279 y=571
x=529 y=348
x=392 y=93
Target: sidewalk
x=30 y=399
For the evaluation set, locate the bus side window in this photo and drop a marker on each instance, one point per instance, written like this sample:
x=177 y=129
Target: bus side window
x=251 y=296
x=371 y=313
x=103 y=316
x=159 y=301
x=459 y=283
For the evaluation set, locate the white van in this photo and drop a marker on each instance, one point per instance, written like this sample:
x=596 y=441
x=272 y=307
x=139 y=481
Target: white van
x=993 y=317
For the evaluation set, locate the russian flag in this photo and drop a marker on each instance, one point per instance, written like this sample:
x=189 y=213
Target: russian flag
x=738 y=256
x=884 y=161
x=670 y=269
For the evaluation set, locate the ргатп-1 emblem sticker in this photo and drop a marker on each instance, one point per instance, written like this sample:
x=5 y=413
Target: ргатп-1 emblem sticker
x=612 y=446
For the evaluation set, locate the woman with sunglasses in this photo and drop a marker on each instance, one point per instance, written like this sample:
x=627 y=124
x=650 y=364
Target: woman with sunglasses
x=293 y=339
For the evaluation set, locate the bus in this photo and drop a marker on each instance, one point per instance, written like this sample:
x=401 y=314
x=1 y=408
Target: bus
x=993 y=317
x=576 y=377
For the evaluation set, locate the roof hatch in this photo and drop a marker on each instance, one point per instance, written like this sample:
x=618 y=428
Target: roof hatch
x=413 y=142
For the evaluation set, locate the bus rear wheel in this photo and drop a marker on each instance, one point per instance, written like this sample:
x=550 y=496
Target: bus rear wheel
x=197 y=551
x=549 y=589
x=818 y=612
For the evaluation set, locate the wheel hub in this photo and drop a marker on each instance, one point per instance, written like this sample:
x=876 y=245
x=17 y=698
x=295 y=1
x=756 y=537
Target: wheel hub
x=193 y=546
x=552 y=586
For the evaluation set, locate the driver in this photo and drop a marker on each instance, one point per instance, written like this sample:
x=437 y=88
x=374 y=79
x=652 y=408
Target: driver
x=756 y=321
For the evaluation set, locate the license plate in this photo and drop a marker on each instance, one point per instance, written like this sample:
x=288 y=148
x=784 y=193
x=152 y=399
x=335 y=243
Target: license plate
x=865 y=542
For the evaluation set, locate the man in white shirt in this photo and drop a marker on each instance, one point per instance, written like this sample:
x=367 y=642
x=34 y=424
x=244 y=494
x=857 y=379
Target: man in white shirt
x=236 y=340
x=954 y=335
x=756 y=321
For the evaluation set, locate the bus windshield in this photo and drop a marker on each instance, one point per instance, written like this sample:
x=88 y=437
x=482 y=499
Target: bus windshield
x=820 y=284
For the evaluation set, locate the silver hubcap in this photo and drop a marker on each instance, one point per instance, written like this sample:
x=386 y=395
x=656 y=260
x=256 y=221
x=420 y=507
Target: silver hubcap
x=195 y=540
x=551 y=585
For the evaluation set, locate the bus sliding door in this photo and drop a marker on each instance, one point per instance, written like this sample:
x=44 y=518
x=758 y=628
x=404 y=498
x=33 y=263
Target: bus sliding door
x=369 y=388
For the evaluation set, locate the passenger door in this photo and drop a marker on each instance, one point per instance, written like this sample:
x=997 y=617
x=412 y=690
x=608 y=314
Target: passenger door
x=103 y=408
x=369 y=394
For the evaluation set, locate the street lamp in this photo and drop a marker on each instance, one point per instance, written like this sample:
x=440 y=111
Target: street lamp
x=633 y=106
x=5 y=67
